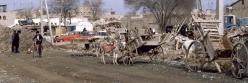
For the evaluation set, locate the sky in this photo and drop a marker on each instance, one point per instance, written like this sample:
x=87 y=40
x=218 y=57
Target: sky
x=116 y=5
x=210 y=4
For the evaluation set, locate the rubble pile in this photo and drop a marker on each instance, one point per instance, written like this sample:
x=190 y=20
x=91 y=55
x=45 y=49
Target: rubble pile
x=25 y=40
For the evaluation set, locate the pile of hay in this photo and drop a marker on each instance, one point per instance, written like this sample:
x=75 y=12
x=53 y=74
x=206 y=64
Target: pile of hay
x=26 y=41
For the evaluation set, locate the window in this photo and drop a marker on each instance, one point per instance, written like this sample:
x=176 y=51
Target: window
x=4 y=17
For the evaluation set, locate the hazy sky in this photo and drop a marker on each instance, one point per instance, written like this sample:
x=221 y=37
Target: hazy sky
x=210 y=4
x=117 y=5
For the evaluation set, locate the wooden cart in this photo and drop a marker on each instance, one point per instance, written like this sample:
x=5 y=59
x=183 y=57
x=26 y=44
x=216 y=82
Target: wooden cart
x=210 y=48
x=142 y=45
x=240 y=56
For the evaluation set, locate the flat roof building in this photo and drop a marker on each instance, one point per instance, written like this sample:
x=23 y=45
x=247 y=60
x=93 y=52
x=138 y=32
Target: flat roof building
x=239 y=8
x=6 y=18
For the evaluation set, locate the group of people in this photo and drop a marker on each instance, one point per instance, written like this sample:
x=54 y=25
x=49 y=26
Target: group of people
x=37 y=42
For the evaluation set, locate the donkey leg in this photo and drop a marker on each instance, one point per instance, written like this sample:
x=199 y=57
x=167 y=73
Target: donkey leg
x=97 y=52
x=103 y=59
x=115 y=58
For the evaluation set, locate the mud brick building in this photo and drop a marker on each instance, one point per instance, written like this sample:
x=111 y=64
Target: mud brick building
x=239 y=8
x=6 y=18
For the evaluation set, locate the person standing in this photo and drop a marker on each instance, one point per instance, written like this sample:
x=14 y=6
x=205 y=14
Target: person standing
x=84 y=30
x=38 y=42
x=15 y=41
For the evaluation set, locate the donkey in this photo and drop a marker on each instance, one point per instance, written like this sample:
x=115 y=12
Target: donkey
x=110 y=49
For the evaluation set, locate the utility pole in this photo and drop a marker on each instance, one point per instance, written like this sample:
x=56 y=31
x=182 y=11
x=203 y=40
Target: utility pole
x=41 y=18
x=44 y=2
x=61 y=11
x=49 y=22
x=220 y=14
x=198 y=5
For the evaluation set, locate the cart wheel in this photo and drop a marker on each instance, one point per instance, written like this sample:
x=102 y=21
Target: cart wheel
x=235 y=69
x=156 y=54
x=194 y=59
x=129 y=56
x=163 y=53
x=239 y=60
x=128 y=59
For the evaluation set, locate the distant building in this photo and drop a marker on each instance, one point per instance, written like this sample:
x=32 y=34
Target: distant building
x=55 y=21
x=109 y=17
x=75 y=27
x=80 y=26
x=6 y=18
x=137 y=16
x=85 y=12
x=239 y=8
x=112 y=16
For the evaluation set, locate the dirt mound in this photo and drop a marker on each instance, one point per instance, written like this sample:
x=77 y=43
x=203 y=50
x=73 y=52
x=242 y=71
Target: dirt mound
x=5 y=39
x=25 y=40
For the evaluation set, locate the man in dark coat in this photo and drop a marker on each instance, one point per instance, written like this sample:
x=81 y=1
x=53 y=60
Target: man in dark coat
x=15 y=41
x=38 y=42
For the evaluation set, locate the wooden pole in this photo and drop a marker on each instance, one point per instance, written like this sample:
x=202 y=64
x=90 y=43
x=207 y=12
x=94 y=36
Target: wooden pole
x=220 y=14
x=60 y=18
x=41 y=18
x=49 y=22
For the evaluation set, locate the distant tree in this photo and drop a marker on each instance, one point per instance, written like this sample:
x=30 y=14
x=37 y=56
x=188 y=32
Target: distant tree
x=25 y=13
x=162 y=10
x=66 y=8
x=95 y=7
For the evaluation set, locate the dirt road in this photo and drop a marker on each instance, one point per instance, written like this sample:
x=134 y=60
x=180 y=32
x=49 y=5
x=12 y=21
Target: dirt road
x=58 y=66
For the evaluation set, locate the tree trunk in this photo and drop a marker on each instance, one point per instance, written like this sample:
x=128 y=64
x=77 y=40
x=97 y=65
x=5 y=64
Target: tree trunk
x=65 y=16
x=70 y=17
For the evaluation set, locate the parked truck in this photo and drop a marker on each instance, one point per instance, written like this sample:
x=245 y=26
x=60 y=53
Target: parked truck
x=231 y=21
x=27 y=21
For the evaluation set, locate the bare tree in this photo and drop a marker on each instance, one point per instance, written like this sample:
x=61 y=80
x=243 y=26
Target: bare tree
x=95 y=7
x=25 y=13
x=163 y=10
x=66 y=8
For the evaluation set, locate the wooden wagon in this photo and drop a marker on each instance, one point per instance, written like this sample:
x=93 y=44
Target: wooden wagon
x=212 y=48
x=142 y=45
x=240 y=56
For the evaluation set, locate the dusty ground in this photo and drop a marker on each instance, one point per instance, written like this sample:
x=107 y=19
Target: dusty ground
x=57 y=66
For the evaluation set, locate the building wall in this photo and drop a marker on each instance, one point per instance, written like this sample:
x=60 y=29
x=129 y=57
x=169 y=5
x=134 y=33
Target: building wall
x=7 y=18
x=239 y=9
x=112 y=15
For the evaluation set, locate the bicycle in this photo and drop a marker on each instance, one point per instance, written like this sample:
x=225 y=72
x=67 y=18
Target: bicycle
x=38 y=49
